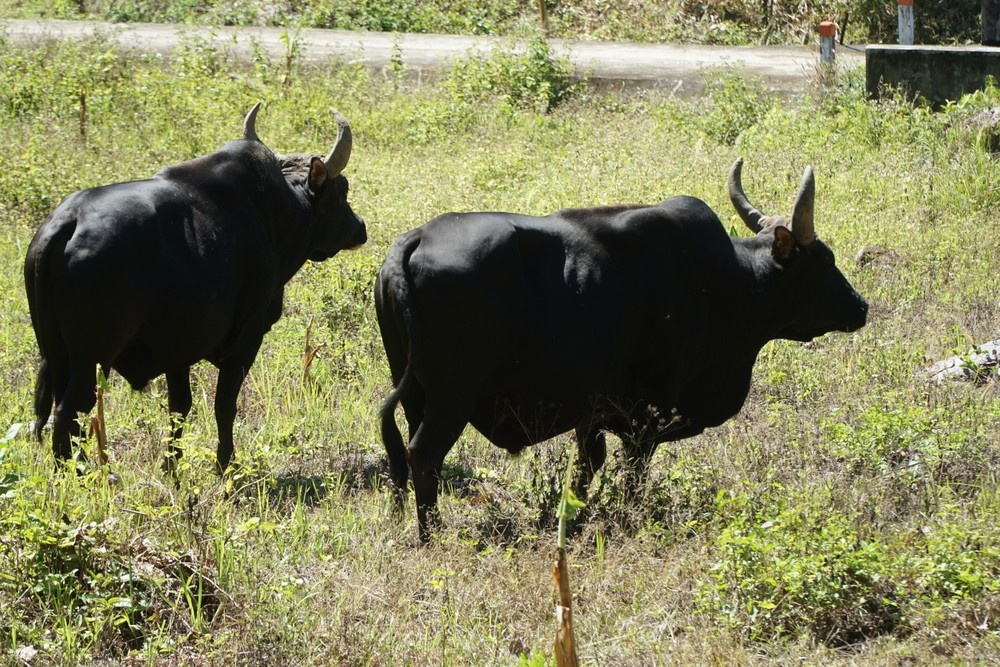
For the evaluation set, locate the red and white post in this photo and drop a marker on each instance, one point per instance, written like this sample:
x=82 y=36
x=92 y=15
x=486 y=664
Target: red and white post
x=827 y=41
x=906 y=22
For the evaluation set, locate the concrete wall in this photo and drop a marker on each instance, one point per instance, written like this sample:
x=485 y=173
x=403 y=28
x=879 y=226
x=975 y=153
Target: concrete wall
x=937 y=73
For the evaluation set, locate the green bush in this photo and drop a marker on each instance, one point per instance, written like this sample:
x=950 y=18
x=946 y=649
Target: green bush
x=804 y=569
x=735 y=103
x=955 y=22
x=532 y=78
x=79 y=584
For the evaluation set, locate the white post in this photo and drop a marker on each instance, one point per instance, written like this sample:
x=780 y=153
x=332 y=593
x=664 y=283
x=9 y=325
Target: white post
x=906 y=22
x=827 y=32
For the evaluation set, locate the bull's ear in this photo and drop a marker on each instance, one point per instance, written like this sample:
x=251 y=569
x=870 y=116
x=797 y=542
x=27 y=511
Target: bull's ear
x=317 y=174
x=784 y=244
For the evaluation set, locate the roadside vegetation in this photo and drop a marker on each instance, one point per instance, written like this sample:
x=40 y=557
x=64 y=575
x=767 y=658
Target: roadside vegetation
x=732 y=22
x=848 y=515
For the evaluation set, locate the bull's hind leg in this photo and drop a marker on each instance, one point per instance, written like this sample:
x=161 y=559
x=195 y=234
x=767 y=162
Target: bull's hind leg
x=77 y=396
x=412 y=399
x=413 y=410
x=179 y=405
x=434 y=438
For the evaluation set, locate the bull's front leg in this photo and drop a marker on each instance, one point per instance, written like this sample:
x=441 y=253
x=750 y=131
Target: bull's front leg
x=179 y=405
x=652 y=428
x=638 y=455
x=230 y=381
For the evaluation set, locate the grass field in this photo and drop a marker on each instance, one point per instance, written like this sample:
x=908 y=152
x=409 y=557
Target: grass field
x=848 y=515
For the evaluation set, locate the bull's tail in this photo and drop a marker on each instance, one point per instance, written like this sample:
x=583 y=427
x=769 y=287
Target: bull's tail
x=397 y=322
x=43 y=397
x=52 y=353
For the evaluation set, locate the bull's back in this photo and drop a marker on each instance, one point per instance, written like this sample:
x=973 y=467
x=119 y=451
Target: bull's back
x=136 y=271
x=514 y=304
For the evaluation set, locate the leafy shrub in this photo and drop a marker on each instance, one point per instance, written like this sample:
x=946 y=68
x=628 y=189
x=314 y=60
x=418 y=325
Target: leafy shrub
x=914 y=447
x=57 y=78
x=736 y=102
x=532 y=78
x=937 y=22
x=976 y=117
x=198 y=55
x=676 y=497
x=80 y=585
x=806 y=570
x=954 y=559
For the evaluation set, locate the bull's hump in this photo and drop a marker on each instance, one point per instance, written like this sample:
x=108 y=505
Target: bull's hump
x=237 y=162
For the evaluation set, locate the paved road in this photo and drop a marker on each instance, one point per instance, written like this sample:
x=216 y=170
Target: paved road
x=786 y=69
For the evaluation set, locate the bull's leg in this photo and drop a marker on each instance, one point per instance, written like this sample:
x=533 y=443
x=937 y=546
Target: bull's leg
x=395 y=451
x=179 y=405
x=230 y=380
x=638 y=455
x=412 y=400
x=592 y=453
x=77 y=397
x=433 y=440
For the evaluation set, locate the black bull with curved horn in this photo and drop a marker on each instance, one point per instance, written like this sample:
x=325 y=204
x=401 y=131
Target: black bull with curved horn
x=641 y=321
x=149 y=277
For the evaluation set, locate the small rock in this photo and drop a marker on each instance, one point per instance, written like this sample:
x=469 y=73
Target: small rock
x=26 y=654
x=980 y=365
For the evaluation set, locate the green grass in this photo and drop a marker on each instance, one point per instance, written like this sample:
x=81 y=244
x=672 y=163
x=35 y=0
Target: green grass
x=848 y=515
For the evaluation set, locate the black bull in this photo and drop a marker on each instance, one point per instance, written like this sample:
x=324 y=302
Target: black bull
x=641 y=321
x=149 y=277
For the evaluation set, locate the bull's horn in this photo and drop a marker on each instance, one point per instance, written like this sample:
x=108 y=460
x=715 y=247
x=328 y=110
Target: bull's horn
x=341 y=153
x=750 y=215
x=249 y=123
x=802 y=213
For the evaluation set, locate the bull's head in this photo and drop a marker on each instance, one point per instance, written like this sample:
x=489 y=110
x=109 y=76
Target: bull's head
x=333 y=164
x=338 y=227
x=816 y=297
x=801 y=223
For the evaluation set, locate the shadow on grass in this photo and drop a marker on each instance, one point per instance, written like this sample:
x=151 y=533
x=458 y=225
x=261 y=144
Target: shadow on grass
x=355 y=473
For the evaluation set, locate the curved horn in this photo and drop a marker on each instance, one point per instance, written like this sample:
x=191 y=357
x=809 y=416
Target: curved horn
x=341 y=153
x=802 y=213
x=750 y=215
x=249 y=129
